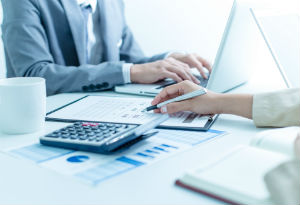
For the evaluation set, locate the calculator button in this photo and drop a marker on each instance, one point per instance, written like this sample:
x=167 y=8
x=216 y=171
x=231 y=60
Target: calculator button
x=105 y=132
x=106 y=135
x=83 y=137
x=52 y=135
x=64 y=136
x=64 y=132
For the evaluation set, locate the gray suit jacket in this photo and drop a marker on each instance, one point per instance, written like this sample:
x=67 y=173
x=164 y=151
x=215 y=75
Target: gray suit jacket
x=45 y=38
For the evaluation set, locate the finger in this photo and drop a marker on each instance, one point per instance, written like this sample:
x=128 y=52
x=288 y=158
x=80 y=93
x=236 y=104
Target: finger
x=205 y=63
x=183 y=64
x=199 y=66
x=173 y=76
x=185 y=68
x=167 y=92
x=195 y=80
x=180 y=72
x=175 y=107
x=188 y=72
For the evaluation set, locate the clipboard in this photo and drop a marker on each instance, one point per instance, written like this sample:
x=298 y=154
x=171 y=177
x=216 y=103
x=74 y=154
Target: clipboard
x=206 y=127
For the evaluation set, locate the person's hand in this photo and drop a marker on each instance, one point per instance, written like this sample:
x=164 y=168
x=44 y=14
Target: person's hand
x=159 y=70
x=193 y=61
x=204 y=104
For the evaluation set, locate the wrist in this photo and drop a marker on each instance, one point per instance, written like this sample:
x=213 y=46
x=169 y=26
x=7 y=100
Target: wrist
x=134 y=70
x=236 y=104
x=220 y=100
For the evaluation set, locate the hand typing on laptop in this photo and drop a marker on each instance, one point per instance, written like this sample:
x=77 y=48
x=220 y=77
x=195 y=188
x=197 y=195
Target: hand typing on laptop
x=177 y=67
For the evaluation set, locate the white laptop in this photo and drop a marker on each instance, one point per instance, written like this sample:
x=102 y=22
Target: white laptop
x=258 y=15
x=233 y=62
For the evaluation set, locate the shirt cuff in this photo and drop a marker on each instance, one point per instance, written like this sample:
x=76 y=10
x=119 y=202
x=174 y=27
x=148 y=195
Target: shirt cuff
x=126 y=72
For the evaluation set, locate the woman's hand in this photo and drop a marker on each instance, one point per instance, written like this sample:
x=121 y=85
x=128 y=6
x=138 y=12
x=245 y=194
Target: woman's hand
x=204 y=104
x=209 y=103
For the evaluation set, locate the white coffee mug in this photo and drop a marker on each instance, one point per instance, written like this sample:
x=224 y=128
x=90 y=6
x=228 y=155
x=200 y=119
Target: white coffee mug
x=22 y=105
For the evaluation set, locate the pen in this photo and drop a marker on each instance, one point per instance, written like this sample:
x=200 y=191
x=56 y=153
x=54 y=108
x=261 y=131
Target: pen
x=179 y=98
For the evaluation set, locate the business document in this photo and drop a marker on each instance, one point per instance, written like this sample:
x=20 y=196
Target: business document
x=123 y=110
x=92 y=169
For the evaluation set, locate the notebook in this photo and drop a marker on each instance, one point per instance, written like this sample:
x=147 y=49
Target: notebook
x=238 y=177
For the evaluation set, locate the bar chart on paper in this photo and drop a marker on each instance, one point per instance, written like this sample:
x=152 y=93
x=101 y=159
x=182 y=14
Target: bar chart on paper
x=94 y=168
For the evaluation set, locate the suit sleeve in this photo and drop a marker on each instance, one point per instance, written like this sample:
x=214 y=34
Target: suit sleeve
x=130 y=50
x=28 y=53
x=277 y=109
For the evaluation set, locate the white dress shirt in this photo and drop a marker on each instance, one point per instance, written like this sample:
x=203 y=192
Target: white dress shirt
x=94 y=45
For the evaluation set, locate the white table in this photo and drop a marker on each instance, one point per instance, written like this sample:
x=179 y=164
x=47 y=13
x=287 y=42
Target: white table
x=24 y=183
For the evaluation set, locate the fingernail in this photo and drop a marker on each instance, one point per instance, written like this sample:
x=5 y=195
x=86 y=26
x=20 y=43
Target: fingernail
x=164 y=109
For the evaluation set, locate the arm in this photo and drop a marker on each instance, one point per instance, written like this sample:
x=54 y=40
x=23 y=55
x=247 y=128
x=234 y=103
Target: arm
x=28 y=53
x=235 y=104
x=277 y=109
x=210 y=103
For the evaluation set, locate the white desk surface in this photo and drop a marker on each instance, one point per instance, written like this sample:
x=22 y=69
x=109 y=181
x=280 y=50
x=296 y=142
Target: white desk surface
x=24 y=183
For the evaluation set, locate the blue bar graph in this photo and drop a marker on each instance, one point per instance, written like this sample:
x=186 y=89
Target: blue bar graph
x=144 y=155
x=169 y=146
x=151 y=151
x=160 y=149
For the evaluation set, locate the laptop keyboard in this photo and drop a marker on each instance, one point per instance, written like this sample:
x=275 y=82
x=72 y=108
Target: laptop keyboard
x=203 y=82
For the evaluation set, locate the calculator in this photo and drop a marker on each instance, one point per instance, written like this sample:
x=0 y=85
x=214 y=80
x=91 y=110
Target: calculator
x=97 y=137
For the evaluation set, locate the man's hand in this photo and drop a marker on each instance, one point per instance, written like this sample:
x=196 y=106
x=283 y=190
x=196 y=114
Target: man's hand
x=193 y=61
x=159 y=70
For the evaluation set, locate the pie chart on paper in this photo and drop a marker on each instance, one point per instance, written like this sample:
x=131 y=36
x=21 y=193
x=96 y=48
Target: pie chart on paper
x=78 y=159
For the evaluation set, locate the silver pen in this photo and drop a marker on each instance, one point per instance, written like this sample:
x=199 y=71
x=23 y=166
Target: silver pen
x=190 y=95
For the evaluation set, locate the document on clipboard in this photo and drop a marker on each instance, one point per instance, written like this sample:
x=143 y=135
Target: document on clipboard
x=125 y=110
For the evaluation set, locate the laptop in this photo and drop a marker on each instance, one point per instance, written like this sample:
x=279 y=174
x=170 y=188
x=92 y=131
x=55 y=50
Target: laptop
x=233 y=62
x=257 y=15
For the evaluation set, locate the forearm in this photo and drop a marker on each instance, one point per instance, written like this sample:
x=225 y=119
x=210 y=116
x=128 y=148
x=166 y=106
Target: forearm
x=277 y=109
x=236 y=104
x=62 y=79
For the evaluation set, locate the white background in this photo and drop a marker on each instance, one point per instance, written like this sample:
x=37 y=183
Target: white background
x=184 y=25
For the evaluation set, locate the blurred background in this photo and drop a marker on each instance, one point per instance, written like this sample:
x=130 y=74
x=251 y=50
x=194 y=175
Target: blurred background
x=198 y=25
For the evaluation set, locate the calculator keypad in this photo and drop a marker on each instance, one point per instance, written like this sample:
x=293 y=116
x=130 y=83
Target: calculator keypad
x=84 y=132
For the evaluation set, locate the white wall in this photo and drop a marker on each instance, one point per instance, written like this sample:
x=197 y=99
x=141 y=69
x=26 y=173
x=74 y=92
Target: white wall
x=184 y=25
